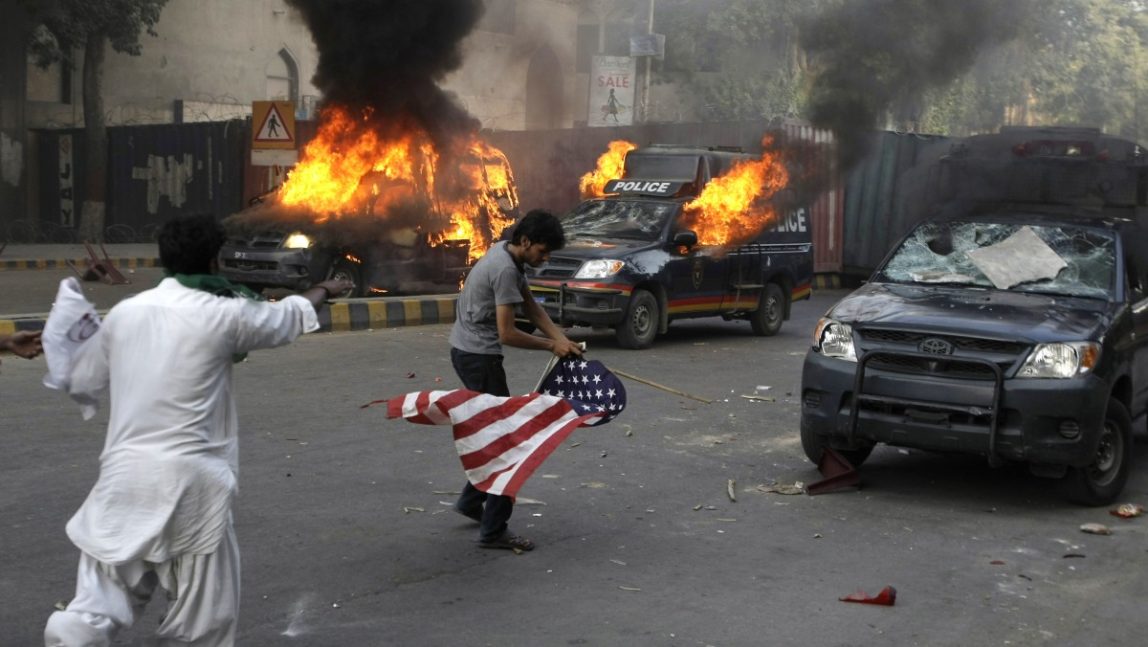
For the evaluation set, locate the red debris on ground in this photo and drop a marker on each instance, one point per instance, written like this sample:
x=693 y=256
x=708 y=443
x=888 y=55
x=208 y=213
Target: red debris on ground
x=886 y=597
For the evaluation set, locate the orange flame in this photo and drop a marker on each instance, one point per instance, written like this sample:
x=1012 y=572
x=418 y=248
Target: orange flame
x=610 y=167
x=734 y=207
x=348 y=170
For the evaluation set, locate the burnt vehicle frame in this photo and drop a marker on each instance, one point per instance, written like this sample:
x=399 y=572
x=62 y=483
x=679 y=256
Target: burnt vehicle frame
x=952 y=362
x=363 y=248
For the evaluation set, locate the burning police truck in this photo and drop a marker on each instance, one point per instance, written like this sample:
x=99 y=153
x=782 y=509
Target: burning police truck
x=392 y=216
x=673 y=232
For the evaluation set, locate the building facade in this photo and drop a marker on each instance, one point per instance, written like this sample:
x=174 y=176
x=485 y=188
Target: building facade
x=212 y=58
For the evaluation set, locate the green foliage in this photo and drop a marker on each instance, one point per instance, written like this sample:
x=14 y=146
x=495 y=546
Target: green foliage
x=73 y=22
x=741 y=55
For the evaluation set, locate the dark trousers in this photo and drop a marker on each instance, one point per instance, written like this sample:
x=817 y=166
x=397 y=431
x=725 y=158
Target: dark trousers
x=483 y=373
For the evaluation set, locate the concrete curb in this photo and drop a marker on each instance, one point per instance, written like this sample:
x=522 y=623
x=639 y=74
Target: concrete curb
x=339 y=316
x=82 y=263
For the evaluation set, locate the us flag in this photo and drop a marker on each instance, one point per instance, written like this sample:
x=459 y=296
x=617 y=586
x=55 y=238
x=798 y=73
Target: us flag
x=501 y=440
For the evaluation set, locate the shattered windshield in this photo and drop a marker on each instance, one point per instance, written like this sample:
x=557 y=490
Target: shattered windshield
x=1047 y=259
x=619 y=219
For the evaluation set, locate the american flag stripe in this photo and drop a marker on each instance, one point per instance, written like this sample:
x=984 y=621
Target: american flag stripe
x=525 y=420
x=516 y=445
x=500 y=440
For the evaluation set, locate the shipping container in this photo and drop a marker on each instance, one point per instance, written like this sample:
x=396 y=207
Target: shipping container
x=877 y=209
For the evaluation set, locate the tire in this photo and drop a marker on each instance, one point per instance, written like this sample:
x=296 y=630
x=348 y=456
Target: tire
x=640 y=326
x=767 y=319
x=1103 y=480
x=353 y=272
x=814 y=446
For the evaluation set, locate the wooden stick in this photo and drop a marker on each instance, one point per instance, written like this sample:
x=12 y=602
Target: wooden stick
x=659 y=386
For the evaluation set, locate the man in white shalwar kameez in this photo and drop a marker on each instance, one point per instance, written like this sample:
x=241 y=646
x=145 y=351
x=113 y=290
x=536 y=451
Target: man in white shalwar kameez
x=159 y=514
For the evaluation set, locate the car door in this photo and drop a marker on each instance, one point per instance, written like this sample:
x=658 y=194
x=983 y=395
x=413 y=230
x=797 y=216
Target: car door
x=1136 y=292
x=699 y=276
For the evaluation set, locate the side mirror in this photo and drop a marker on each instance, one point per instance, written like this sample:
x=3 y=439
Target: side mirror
x=685 y=239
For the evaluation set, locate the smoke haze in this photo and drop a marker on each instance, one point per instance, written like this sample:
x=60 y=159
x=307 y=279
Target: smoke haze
x=386 y=57
x=871 y=54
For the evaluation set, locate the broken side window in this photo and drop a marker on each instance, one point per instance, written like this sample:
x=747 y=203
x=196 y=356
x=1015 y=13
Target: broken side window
x=1064 y=260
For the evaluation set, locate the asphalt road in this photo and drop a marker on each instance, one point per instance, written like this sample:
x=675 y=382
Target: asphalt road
x=347 y=538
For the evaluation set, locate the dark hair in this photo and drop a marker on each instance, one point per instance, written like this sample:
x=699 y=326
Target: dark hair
x=188 y=244
x=540 y=226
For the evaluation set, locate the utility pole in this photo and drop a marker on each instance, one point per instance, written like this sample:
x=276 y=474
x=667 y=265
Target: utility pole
x=649 y=63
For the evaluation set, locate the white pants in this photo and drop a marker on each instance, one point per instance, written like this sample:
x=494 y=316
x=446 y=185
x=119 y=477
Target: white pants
x=202 y=593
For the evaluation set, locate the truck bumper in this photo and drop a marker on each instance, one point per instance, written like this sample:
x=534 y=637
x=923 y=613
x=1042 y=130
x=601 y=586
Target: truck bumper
x=1034 y=416
x=578 y=305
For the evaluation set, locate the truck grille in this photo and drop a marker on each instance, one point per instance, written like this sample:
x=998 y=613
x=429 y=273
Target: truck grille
x=261 y=242
x=899 y=351
x=556 y=268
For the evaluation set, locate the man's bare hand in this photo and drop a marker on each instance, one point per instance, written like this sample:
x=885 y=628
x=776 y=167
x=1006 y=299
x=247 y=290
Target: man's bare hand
x=335 y=287
x=25 y=343
x=565 y=348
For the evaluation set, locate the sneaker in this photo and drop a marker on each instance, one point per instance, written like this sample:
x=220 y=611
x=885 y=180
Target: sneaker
x=508 y=541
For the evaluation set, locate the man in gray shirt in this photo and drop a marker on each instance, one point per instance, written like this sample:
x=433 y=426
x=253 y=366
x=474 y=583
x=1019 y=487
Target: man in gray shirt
x=484 y=322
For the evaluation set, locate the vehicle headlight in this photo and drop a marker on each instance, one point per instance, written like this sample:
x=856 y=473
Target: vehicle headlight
x=297 y=240
x=599 y=269
x=834 y=339
x=1060 y=360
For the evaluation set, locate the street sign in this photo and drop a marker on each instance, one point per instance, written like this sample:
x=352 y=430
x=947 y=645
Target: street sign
x=273 y=125
x=648 y=45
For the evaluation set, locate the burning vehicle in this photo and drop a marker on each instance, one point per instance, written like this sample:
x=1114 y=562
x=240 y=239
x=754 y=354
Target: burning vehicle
x=673 y=233
x=391 y=217
x=1010 y=325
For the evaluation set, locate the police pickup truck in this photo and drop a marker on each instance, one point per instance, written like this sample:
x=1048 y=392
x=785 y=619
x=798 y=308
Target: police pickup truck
x=629 y=264
x=1010 y=324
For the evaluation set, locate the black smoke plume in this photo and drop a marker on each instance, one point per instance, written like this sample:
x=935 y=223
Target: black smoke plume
x=384 y=58
x=869 y=55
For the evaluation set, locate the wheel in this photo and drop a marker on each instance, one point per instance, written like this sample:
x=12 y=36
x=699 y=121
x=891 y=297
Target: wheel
x=770 y=313
x=640 y=326
x=1102 y=481
x=353 y=272
x=814 y=445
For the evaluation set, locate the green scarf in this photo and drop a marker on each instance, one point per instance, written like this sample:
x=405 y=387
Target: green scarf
x=220 y=287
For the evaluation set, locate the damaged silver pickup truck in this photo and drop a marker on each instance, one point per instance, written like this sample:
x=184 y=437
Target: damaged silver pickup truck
x=1019 y=333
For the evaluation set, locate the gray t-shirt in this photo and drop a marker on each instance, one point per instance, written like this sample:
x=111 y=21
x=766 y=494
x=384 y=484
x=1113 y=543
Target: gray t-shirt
x=494 y=280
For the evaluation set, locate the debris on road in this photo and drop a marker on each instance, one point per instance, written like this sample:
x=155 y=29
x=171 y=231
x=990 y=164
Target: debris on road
x=729 y=485
x=410 y=376
x=629 y=588
x=1095 y=529
x=1127 y=510
x=887 y=597
x=759 y=398
x=618 y=562
x=407 y=509
x=797 y=487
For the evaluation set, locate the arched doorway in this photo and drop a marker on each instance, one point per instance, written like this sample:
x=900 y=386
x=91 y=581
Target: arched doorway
x=544 y=96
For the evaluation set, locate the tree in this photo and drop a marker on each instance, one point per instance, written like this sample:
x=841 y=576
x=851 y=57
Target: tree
x=743 y=57
x=92 y=25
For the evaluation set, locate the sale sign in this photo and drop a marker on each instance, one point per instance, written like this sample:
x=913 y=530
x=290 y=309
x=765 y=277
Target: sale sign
x=612 y=84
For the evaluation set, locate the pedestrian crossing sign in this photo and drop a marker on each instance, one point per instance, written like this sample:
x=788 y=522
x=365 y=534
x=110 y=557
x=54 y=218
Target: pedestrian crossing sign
x=273 y=125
